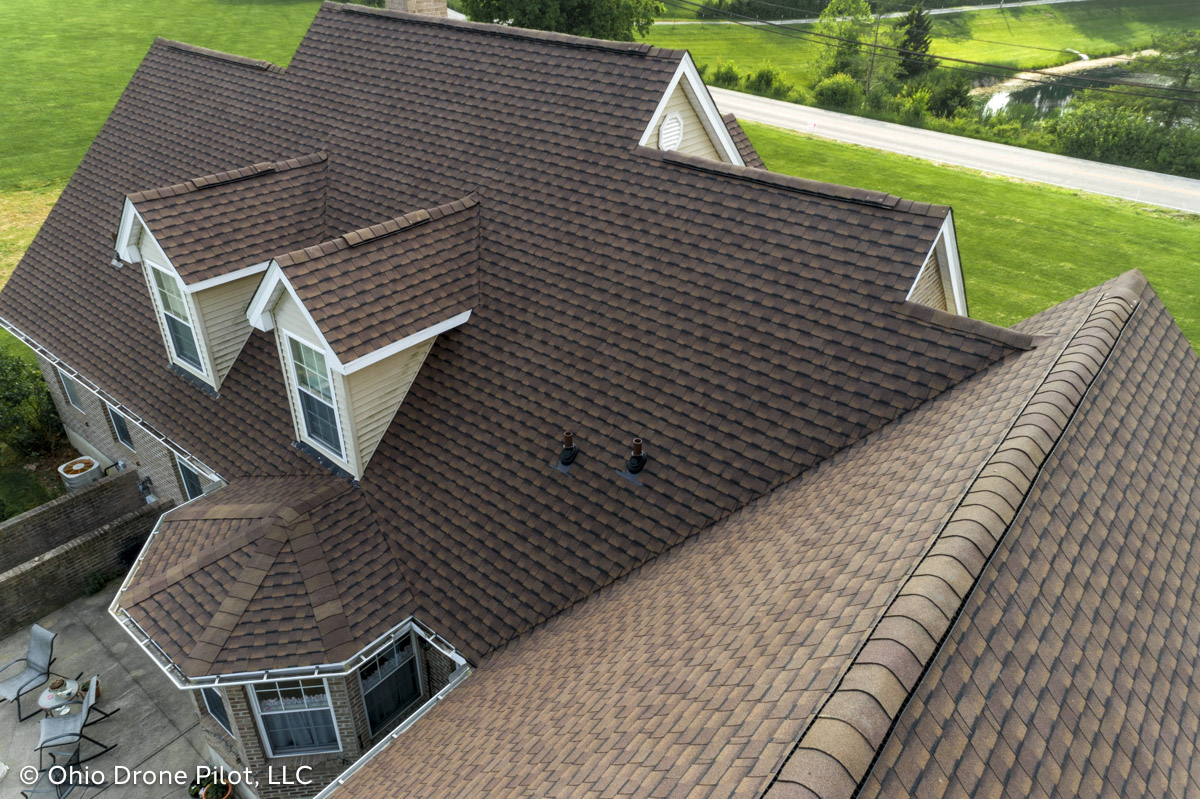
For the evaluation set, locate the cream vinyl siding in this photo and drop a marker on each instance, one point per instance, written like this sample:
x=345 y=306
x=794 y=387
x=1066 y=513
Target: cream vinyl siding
x=290 y=317
x=930 y=288
x=149 y=249
x=697 y=140
x=375 y=393
x=223 y=319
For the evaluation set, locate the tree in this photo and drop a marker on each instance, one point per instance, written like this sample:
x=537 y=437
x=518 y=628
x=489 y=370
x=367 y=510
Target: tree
x=1177 y=58
x=915 y=42
x=599 y=19
x=29 y=423
x=849 y=23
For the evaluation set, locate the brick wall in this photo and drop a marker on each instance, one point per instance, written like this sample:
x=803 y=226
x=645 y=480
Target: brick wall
x=432 y=8
x=47 y=526
x=92 y=424
x=438 y=668
x=61 y=575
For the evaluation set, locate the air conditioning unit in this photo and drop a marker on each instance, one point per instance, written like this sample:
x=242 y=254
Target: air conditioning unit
x=80 y=472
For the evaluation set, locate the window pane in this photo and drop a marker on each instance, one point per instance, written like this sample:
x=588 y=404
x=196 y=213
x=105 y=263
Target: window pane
x=390 y=683
x=120 y=428
x=212 y=700
x=69 y=388
x=184 y=341
x=170 y=296
x=320 y=422
x=191 y=481
x=311 y=371
x=299 y=732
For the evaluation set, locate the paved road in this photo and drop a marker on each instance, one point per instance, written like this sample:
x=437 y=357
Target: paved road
x=1073 y=173
x=893 y=15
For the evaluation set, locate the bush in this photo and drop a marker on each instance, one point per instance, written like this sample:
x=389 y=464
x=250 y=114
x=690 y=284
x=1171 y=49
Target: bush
x=914 y=105
x=726 y=75
x=29 y=424
x=947 y=94
x=1119 y=135
x=838 y=91
x=768 y=82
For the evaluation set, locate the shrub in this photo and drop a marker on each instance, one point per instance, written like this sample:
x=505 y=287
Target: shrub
x=769 y=82
x=726 y=75
x=1119 y=135
x=96 y=582
x=947 y=94
x=838 y=91
x=29 y=424
x=914 y=105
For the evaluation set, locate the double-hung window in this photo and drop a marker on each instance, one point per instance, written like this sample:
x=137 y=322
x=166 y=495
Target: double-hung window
x=191 y=480
x=315 y=395
x=296 y=717
x=177 y=319
x=120 y=427
x=390 y=682
x=216 y=708
x=70 y=389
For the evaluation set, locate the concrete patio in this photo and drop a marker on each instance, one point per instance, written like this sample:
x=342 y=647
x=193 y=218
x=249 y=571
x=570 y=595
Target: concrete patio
x=155 y=730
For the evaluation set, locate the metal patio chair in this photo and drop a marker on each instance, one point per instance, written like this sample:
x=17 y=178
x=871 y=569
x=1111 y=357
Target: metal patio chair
x=37 y=662
x=59 y=730
x=74 y=777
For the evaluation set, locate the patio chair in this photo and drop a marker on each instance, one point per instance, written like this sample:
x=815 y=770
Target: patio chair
x=59 y=730
x=75 y=778
x=37 y=662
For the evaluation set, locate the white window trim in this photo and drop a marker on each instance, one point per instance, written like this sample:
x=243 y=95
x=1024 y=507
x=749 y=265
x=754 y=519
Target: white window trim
x=262 y=731
x=112 y=414
x=362 y=690
x=180 y=465
x=708 y=111
x=67 y=380
x=208 y=706
x=301 y=427
x=176 y=358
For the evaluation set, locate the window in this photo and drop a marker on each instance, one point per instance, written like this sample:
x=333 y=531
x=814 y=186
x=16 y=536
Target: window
x=216 y=708
x=120 y=427
x=191 y=480
x=295 y=717
x=177 y=319
x=390 y=682
x=70 y=389
x=315 y=395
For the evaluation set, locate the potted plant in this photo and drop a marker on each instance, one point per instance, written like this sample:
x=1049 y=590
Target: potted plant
x=197 y=785
x=83 y=688
x=217 y=790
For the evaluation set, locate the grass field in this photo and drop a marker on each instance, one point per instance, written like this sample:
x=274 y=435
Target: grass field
x=1096 y=27
x=65 y=64
x=1024 y=246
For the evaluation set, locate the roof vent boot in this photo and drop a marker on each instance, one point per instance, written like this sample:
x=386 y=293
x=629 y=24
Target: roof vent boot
x=637 y=458
x=569 y=451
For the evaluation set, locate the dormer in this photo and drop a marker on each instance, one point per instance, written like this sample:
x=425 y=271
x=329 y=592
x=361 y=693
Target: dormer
x=939 y=284
x=687 y=120
x=354 y=318
x=203 y=247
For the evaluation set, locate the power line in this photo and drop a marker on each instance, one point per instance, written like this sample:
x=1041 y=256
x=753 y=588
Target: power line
x=783 y=30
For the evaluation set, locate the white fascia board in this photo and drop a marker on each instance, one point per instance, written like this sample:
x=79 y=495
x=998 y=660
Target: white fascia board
x=125 y=230
x=262 y=318
x=954 y=265
x=687 y=71
x=147 y=231
x=248 y=271
x=403 y=344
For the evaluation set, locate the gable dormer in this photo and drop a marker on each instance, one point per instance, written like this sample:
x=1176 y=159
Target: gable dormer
x=687 y=120
x=203 y=247
x=354 y=318
x=939 y=284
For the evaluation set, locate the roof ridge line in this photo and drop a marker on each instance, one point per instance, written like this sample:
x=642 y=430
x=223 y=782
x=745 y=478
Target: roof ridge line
x=255 y=63
x=366 y=235
x=488 y=29
x=968 y=325
x=229 y=176
x=833 y=191
x=980 y=520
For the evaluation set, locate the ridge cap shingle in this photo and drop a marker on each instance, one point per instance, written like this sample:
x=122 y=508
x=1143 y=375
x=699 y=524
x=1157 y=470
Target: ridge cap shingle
x=228 y=176
x=961 y=551
x=255 y=63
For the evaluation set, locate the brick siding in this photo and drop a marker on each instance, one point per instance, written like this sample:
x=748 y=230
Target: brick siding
x=38 y=587
x=150 y=457
x=60 y=520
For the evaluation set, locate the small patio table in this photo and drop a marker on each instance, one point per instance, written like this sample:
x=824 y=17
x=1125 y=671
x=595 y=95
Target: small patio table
x=55 y=702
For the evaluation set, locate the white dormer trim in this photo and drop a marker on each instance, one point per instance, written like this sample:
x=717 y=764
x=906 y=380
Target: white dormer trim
x=229 y=277
x=946 y=246
x=709 y=113
x=273 y=285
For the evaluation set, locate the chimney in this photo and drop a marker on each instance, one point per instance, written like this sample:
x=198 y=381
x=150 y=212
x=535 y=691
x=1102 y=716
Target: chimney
x=432 y=8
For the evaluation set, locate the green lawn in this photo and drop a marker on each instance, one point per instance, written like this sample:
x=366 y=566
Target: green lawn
x=66 y=63
x=1024 y=246
x=1096 y=27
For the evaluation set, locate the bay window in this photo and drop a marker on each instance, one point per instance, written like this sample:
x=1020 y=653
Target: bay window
x=295 y=717
x=390 y=682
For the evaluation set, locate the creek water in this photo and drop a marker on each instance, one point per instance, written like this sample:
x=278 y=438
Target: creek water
x=1049 y=97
